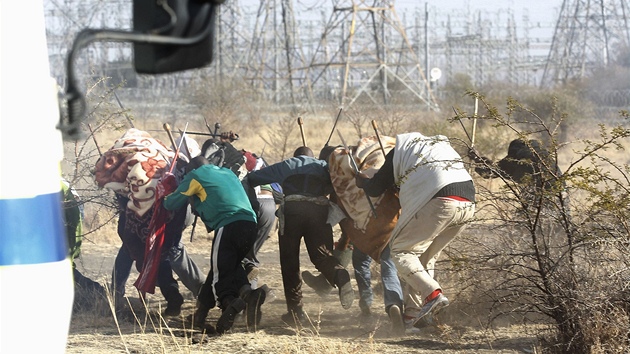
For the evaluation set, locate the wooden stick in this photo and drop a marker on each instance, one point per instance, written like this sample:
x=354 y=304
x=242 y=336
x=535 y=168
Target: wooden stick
x=462 y=124
x=124 y=110
x=185 y=144
x=334 y=126
x=356 y=170
x=474 y=127
x=301 y=124
x=378 y=137
x=167 y=127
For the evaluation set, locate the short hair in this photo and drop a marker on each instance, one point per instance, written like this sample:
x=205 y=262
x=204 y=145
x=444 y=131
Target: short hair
x=196 y=162
x=325 y=153
x=303 y=150
x=516 y=146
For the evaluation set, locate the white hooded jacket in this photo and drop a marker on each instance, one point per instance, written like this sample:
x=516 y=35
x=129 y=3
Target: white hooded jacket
x=422 y=166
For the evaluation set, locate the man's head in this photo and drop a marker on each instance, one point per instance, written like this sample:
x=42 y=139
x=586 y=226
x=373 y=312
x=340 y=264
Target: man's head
x=324 y=154
x=196 y=162
x=303 y=150
x=524 y=149
x=516 y=146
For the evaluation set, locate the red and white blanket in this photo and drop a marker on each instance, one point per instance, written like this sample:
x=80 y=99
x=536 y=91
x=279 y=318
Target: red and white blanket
x=133 y=167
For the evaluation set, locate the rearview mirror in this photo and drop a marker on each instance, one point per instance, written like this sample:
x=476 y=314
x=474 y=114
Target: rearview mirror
x=168 y=36
x=189 y=23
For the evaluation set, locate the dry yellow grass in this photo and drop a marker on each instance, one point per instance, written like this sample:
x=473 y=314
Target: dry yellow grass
x=333 y=330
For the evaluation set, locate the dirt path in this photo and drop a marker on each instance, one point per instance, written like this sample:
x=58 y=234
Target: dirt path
x=332 y=328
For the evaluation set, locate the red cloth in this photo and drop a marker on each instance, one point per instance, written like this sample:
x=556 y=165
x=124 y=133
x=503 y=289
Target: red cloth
x=167 y=185
x=153 y=245
x=250 y=161
x=153 y=251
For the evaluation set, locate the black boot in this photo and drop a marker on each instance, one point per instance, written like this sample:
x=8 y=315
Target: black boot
x=317 y=282
x=231 y=308
x=253 y=300
x=198 y=318
x=174 y=301
x=295 y=317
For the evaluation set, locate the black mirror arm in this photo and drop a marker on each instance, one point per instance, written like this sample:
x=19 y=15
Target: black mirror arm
x=76 y=100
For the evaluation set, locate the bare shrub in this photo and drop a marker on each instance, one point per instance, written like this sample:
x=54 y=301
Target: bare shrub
x=283 y=140
x=105 y=121
x=534 y=255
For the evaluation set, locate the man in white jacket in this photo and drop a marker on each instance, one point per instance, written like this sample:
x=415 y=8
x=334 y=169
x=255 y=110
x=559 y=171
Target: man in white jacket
x=437 y=197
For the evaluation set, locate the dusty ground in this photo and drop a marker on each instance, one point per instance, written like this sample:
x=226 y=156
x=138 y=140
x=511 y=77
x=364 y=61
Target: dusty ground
x=333 y=329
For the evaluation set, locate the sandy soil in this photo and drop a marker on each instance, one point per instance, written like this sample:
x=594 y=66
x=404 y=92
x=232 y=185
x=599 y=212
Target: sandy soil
x=332 y=328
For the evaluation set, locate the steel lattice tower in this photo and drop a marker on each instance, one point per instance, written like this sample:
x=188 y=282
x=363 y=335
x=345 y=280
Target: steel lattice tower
x=364 y=53
x=274 y=63
x=587 y=34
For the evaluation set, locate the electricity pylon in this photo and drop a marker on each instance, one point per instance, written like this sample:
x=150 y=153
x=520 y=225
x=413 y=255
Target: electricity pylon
x=364 y=52
x=275 y=64
x=587 y=34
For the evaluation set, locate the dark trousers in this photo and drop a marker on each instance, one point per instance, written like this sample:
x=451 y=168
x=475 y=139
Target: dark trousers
x=165 y=280
x=308 y=220
x=122 y=269
x=226 y=277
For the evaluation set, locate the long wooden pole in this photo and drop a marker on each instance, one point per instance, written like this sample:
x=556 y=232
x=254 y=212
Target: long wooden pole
x=356 y=170
x=334 y=126
x=301 y=124
x=94 y=139
x=378 y=136
x=474 y=127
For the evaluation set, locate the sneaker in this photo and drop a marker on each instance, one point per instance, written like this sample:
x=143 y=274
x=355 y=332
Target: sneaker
x=296 y=317
x=318 y=283
x=395 y=316
x=412 y=330
x=226 y=321
x=252 y=273
x=408 y=323
x=270 y=293
x=346 y=292
x=429 y=310
x=254 y=301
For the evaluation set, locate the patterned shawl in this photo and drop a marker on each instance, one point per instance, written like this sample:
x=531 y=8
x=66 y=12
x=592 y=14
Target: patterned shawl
x=367 y=233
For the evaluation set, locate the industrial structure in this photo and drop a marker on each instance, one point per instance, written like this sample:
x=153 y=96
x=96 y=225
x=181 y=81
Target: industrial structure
x=587 y=33
x=362 y=51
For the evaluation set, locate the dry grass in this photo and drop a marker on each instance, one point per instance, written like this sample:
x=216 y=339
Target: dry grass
x=332 y=329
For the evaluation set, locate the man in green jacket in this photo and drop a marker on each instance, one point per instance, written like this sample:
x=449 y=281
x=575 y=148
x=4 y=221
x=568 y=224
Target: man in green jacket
x=219 y=199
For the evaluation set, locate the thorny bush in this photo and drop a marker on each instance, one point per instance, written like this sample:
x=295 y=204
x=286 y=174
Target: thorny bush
x=553 y=249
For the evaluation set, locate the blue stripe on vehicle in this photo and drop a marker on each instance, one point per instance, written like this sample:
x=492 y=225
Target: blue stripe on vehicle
x=32 y=230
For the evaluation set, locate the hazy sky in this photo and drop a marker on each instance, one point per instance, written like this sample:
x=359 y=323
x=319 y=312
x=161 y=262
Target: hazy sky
x=541 y=12
x=540 y=9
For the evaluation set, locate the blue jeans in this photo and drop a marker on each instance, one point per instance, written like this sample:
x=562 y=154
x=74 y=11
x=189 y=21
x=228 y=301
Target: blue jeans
x=392 y=290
